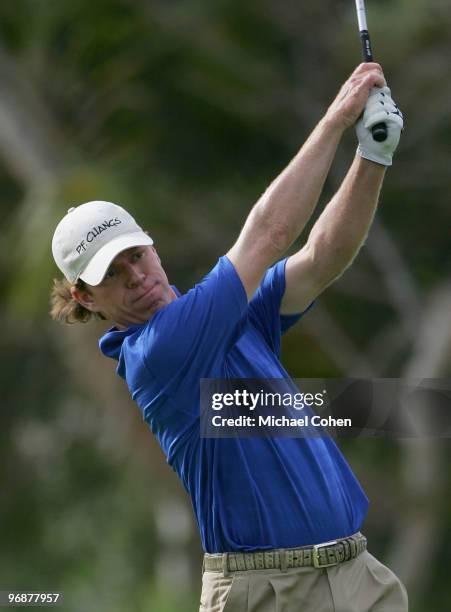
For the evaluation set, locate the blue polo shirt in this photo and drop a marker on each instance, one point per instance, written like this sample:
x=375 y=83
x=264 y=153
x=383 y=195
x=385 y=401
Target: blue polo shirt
x=247 y=493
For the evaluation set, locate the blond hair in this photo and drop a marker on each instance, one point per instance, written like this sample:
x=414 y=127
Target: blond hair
x=64 y=308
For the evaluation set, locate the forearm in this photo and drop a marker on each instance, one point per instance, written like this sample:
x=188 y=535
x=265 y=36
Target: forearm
x=343 y=226
x=288 y=203
x=282 y=212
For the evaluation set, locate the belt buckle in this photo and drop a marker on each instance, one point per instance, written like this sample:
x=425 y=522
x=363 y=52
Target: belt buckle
x=315 y=554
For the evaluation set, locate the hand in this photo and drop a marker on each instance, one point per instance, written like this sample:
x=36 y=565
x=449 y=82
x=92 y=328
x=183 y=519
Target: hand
x=380 y=108
x=352 y=97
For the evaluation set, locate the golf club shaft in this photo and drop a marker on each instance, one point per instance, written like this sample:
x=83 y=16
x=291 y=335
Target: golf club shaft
x=379 y=131
x=363 y=29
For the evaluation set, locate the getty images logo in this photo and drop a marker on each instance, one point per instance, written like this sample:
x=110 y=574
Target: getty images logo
x=96 y=231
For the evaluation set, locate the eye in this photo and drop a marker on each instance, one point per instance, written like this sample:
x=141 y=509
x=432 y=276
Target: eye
x=137 y=255
x=110 y=273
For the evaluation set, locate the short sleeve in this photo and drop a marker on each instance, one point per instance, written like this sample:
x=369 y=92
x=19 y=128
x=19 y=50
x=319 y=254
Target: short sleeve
x=265 y=304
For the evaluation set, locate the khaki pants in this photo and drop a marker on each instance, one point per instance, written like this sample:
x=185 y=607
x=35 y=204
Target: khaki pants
x=360 y=585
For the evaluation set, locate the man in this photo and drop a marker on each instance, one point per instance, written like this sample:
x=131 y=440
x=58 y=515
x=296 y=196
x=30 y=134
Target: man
x=279 y=518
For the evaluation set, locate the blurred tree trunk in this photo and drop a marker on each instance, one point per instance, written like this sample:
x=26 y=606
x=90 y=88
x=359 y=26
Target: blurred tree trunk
x=265 y=72
x=419 y=534
x=33 y=148
x=424 y=324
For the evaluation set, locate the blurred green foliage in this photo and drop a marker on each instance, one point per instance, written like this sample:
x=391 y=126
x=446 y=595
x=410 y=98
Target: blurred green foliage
x=184 y=112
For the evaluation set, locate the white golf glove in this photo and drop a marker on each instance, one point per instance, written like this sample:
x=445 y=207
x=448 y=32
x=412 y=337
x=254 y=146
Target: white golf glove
x=380 y=108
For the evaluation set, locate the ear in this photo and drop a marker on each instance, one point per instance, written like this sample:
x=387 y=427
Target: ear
x=83 y=297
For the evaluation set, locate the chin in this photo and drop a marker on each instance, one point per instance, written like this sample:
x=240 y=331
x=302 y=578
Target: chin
x=149 y=312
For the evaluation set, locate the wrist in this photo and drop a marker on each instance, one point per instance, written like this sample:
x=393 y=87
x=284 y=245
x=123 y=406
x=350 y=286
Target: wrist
x=332 y=125
x=383 y=161
x=341 y=118
x=369 y=166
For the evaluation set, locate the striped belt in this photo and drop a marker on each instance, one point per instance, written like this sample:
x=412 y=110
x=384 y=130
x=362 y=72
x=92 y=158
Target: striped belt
x=319 y=556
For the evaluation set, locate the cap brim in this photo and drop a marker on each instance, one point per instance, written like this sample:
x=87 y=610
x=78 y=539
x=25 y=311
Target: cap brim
x=99 y=264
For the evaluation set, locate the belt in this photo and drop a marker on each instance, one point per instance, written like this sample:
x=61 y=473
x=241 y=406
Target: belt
x=319 y=556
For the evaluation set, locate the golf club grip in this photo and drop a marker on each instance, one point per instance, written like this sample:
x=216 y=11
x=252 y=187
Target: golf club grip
x=379 y=131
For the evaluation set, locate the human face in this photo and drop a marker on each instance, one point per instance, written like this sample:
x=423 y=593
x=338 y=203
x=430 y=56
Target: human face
x=134 y=287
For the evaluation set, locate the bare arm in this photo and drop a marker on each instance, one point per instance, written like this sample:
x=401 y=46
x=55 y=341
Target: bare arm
x=284 y=209
x=335 y=238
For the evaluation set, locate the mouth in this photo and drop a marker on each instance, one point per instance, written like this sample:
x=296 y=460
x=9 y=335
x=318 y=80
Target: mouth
x=146 y=293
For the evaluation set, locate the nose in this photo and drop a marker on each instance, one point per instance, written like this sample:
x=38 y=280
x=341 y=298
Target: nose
x=134 y=277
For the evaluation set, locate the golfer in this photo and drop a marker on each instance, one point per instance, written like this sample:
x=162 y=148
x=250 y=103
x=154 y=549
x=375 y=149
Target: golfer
x=279 y=518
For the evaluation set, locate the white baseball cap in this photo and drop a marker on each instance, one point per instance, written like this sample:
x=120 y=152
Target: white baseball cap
x=90 y=236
